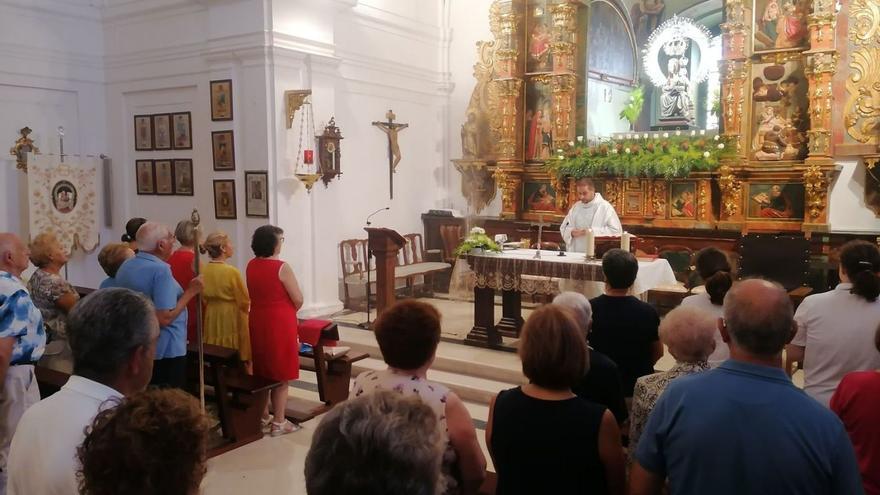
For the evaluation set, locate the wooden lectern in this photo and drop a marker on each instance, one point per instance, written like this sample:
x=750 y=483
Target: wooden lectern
x=384 y=245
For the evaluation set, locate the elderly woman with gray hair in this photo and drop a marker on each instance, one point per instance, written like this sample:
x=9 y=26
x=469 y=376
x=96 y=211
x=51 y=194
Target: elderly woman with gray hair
x=689 y=334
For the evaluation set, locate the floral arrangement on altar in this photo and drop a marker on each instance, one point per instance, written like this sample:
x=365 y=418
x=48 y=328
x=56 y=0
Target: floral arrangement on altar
x=667 y=154
x=477 y=239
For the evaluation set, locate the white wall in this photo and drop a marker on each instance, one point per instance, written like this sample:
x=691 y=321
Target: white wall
x=469 y=23
x=848 y=210
x=46 y=82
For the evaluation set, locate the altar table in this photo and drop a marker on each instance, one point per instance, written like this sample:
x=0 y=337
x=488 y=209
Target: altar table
x=516 y=271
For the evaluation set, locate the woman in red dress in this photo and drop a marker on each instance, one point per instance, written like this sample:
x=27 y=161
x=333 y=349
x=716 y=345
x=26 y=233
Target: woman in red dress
x=275 y=297
x=183 y=262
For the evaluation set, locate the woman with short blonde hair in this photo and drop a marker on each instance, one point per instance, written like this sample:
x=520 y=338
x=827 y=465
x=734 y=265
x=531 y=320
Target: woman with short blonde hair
x=111 y=257
x=54 y=296
x=226 y=299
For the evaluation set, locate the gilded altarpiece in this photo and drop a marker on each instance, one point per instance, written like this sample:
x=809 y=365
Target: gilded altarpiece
x=781 y=74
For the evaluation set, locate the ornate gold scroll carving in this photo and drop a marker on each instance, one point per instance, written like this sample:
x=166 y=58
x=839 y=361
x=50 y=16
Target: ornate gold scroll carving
x=509 y=182
x=816 y=191
x=658 y=198
x=731 y=191
x=862 y=110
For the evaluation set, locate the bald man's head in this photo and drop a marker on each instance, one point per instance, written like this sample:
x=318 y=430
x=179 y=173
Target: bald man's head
x=13 y=254
x=759 y=317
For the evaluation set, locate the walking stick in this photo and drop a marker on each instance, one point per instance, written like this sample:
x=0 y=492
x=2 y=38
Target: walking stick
x=196 y=220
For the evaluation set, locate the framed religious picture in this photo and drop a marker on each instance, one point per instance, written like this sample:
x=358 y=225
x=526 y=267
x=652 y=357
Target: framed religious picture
x=143 y=133
x=224 y=199
x=540 y=38
x=64 y=196
x=539 y=120
x=183 y=177
x=779 y=201
x=780 y=25
x=682 y=200
x=257 y=190
x=780 y=111
x=221 y=100
x=164 y=177
x=162 y=131
x=539 y=196
x=145 y=176
x=223 y=147
x=181 y=131
x=633 y=201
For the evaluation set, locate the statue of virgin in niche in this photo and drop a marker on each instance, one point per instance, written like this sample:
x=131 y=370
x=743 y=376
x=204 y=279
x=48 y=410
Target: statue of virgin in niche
x=675 y=101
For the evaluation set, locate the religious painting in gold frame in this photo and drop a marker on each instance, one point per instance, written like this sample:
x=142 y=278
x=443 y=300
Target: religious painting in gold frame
x=780 y=25
x=683 y=200
x=634 y=203
x=538 y=119
x=539 y=37
x=539 y=196
x=776 y=201
x=221 y=100
x=780 y=111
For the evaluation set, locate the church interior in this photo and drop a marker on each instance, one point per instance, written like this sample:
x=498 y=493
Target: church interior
x=481 y=156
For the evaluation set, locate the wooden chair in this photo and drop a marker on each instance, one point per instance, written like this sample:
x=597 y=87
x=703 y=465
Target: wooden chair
x=451 y=235
x=412 y=264
x=681 y=260
x=352 y=255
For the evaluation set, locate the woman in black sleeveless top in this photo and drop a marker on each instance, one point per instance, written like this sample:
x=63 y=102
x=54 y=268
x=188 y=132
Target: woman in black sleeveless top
x=543 y=438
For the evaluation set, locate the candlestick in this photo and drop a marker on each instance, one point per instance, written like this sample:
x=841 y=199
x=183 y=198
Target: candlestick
x=625 y=240
x=591 y=244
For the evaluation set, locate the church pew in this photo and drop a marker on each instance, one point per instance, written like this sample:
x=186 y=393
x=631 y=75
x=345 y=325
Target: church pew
x=240 y=398
x=333 y=373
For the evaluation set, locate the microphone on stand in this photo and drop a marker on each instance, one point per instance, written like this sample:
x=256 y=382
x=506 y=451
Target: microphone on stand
x=367 y=324
x=375 y=212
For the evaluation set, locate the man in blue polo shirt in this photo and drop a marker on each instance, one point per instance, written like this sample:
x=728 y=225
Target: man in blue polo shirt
x=149 y=274
x=744 y=427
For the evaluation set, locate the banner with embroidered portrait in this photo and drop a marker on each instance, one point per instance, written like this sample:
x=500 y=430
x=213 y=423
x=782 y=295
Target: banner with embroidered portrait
x=63 y=200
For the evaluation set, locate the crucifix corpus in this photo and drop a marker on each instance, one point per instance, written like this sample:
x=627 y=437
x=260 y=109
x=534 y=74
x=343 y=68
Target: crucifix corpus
x=391 y=128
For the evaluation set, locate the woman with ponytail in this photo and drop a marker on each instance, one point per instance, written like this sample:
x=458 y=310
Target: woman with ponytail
x=131 y=230
x=836 y=328
x=714 y=268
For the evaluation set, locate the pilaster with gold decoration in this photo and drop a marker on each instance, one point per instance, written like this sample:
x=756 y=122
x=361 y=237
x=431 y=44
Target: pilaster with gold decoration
x=658 y=198
x=563 y=95
x=731 y=194
x=734 y=74
x=509 y=181
x=819 y=70
x=861 y=113
x=564 y=46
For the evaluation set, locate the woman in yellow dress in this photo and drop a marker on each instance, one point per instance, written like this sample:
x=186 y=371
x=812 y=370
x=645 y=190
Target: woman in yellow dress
x=226 y=299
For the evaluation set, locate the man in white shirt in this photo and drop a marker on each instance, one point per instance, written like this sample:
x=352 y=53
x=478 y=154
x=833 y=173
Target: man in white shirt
x=590 y=212
x=113 y=334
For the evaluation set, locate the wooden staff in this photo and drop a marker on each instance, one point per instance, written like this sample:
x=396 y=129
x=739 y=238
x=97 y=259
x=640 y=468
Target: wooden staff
x=196 y=220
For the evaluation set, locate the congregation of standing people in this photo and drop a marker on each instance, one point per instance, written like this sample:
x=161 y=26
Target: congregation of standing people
x=592 y=415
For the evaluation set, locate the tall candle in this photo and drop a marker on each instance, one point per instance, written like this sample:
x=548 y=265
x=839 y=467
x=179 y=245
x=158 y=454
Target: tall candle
x=624 y=241
x=591 y=244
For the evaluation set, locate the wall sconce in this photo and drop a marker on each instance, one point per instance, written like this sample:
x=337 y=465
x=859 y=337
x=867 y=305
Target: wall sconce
x=329 y=152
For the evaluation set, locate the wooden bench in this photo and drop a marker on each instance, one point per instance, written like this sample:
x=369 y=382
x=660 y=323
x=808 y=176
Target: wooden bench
x=240 y=398
x=411 y=264
x=333 y=373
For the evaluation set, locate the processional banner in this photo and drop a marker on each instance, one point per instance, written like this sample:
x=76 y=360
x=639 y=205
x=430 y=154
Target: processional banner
x=63 y=200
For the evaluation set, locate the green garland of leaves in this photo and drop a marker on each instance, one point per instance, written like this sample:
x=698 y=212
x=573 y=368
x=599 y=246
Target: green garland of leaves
x=477 y=240
x=656 y=156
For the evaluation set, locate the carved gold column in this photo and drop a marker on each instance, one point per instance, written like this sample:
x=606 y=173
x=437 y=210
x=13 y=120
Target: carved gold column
x=505 y=92
x=731 y=194
x=735 y=68
x=564 y=79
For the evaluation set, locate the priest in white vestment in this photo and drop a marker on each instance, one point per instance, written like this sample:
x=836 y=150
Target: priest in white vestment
x=590 y=212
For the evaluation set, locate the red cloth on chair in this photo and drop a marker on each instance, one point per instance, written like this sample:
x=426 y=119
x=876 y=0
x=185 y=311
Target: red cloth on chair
x=310 y=332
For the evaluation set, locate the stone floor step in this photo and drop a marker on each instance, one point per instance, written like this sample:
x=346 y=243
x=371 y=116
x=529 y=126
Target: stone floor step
x=455 y=358
x=468 y=388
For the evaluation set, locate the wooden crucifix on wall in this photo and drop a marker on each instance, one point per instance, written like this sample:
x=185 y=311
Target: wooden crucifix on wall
x=391 y=128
